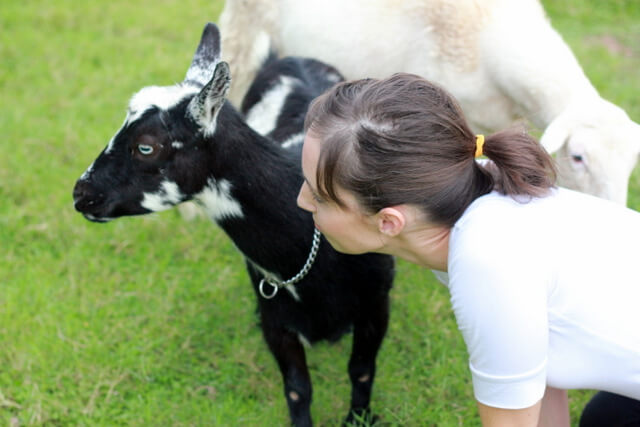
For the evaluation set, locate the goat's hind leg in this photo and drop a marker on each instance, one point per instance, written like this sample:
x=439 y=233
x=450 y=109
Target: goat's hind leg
x=368 y=332
x=289 y=353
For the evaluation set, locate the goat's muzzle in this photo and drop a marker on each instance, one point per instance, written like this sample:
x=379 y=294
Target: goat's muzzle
x=88 y=201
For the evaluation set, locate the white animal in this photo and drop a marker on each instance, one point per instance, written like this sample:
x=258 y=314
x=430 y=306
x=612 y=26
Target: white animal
x=501 y=59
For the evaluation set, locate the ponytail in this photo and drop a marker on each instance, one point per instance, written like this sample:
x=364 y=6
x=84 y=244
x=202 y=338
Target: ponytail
x=521 y=166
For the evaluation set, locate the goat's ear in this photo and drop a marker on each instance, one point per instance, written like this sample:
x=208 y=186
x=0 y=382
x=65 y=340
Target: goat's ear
x=205 y=106
x=206 y=57
x=556 y=134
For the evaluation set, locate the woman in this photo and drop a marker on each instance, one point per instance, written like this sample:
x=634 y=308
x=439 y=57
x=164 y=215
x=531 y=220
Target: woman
x=543 y=281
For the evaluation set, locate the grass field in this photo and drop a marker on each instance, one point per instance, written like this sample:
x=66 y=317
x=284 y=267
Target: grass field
x=150 y=321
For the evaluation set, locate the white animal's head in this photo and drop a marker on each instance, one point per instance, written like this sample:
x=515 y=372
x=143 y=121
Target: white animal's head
x=597 y=147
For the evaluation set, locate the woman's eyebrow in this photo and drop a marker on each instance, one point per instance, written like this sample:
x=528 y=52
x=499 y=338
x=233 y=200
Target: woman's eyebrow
x=308 y=183
x=313 y=190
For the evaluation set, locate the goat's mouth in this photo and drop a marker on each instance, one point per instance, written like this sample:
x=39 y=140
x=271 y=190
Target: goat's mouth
x=107 y=212
x=94 y=211
x=93 y=218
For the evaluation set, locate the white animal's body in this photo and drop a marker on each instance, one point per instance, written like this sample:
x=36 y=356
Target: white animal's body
x=501 y=59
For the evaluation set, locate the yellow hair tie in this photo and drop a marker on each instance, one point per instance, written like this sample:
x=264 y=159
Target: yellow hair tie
x=479 y=145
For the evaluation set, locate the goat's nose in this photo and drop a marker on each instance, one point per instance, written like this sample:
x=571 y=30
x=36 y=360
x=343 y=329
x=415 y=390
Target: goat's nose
x=83 y=197
x=80 y=190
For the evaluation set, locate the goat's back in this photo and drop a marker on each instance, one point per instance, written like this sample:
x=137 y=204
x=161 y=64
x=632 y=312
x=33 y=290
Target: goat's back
x=277 y=101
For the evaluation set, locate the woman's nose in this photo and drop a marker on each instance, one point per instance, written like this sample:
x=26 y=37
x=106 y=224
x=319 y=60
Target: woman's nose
x=303 y=199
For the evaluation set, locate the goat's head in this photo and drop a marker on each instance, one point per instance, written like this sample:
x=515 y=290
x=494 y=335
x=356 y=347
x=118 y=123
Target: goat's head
x=597 y=147
x=157 y=160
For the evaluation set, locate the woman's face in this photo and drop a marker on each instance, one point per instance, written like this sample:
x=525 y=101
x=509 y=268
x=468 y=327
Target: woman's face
x=348 y=228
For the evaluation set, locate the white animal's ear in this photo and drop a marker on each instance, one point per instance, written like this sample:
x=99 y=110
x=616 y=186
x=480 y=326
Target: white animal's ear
x=556 y=134
x=206 y=57
x=205 y=106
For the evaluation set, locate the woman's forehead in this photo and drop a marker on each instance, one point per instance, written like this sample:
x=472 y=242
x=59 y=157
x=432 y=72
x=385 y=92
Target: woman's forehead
x=310 y=157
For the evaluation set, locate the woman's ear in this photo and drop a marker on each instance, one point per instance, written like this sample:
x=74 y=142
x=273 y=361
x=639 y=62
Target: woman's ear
x=391 y=221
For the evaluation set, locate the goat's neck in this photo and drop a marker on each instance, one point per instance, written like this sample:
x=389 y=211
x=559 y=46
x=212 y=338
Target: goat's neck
x=263 y=181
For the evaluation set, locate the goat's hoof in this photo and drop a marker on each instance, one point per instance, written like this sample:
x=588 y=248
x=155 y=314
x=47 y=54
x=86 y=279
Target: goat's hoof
x=361 y=418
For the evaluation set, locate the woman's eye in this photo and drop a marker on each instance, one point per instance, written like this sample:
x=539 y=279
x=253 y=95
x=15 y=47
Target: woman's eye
x=317 y=198
x=145 y=149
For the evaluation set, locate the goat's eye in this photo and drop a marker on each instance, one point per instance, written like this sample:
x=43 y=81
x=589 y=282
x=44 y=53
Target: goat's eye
x=577 y=158
x=145 y=149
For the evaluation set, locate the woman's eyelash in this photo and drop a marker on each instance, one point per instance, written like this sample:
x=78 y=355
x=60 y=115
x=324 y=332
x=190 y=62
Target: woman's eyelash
x=316 y=197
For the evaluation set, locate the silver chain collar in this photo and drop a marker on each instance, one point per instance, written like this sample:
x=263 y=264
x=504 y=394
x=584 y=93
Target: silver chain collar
x=277 y=284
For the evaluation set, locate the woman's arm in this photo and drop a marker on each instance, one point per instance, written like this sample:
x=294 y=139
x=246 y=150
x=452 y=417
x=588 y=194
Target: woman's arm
x=555 y=408
x=551 y=411
x=497 y=417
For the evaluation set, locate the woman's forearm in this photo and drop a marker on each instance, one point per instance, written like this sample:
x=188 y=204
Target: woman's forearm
x=555 y=408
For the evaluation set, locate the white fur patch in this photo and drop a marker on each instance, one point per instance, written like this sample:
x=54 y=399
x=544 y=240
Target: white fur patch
x=87 y=173
x=163 y=97
x=177 y=145
x=169 y=195
x=98 y=219
x=263 y=116
x=296 y=139
x=200 y=73
x=304 y=341
x=110 y=145
x=333 y=77
x=217 y=201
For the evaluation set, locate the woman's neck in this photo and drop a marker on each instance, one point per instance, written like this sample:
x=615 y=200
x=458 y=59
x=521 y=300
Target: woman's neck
x=428 y=247
x=420 y=241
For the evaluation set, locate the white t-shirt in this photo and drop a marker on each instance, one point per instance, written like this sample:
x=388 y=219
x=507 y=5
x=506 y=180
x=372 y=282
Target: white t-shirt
x=547 y=292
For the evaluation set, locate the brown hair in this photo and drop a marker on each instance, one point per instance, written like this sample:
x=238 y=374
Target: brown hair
x=405 y=140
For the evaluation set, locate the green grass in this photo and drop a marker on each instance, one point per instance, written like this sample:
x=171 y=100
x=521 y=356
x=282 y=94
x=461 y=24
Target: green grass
x=150 y=320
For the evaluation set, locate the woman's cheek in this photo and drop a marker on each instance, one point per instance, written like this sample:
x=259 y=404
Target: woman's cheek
x=317 y=220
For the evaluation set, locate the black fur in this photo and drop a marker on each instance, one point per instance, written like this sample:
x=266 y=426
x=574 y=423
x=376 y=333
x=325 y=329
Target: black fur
x=340 y=291
x=311 y=78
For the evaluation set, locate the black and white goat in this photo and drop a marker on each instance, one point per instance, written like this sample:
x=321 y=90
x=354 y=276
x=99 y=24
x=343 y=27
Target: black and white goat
x=185 y=142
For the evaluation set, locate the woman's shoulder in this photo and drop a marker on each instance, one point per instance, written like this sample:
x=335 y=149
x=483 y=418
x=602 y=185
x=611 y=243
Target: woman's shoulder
x=558 y=205
x=563 y=216
x=504 y=224
x=501 y=211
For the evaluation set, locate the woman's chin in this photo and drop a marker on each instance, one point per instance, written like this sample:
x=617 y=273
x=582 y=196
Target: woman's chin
x=343 y=249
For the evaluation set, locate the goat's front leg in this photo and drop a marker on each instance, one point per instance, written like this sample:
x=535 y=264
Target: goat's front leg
x=368 y=332
x=290 y=355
